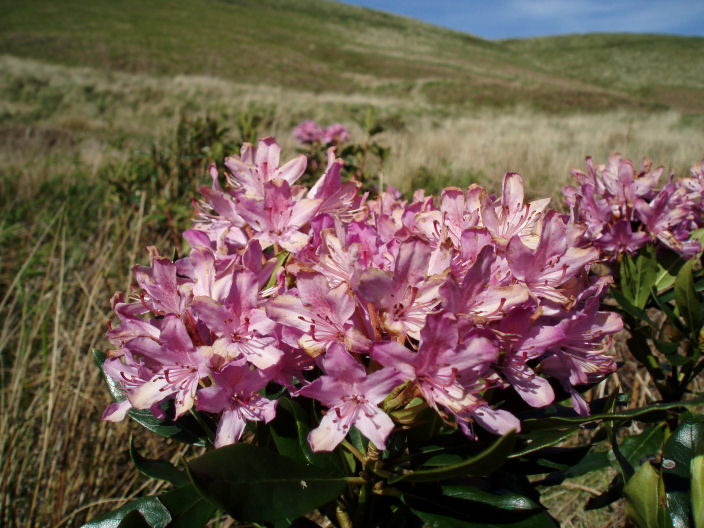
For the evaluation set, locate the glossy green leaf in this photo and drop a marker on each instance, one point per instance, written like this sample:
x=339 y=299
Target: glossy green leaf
x=697 y=490
x=157 y=469
x=290 y=430
x=450 y=512
x=645 y=497
x=483 y=463
x=629 y=308
x=541 y=438
x=669 y=264
x=133 y=519
x=641 y=412
x=685 y=443
x=182 y=429
x=151 y=509
x=256 y=484
x=649 y=442
x=187 y=507
x=638 y=275
x=612 y=493
x=669 y=312
x=687 y=299
x=504 y=501
x=678 y=508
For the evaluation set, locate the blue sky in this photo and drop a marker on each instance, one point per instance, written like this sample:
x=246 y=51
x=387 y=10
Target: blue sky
x=495 y=19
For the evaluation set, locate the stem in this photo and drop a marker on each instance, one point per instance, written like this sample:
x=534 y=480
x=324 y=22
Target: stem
x=343 y=517
x=356 y=480
x=356 y=452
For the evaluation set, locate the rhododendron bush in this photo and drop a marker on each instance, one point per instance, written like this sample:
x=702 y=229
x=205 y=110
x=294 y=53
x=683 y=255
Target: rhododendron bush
x=385 y=361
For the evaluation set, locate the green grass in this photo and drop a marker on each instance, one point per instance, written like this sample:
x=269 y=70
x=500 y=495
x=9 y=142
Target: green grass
x=88 y=90
x=324 y=46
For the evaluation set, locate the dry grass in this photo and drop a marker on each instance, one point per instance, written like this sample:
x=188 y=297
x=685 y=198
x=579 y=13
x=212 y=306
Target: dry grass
x=68 y=244
x=59 y=462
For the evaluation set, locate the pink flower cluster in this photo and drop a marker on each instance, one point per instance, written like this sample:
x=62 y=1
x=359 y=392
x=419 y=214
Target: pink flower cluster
x=309 y=131
x=624 y=209
x=358 y=302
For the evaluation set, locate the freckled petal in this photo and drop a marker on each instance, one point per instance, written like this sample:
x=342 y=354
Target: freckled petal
x=292 y=170
x=289 y=310
x=496 y=420
x=266 y=156
x=340 y=364
x=512 y=192
x=374 y=424
x=397 y=356
x=116 y=412
x=293 y=241
x=329 y=433
x=212 y=399
x=151 y=392
x=535 y=390
x=230 y=428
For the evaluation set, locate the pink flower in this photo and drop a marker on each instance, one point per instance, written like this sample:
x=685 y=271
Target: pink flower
x=336 y=133
x=308 y=131
x=280 y=217
x=557 y=258
x=235 y=394
x=511 y=217
x=405 y=298
x=580 y=357
x=352 y=397
x=253 y=169
x=323 y=315
x=240 y=328
x=179 y=366
x=449 y=372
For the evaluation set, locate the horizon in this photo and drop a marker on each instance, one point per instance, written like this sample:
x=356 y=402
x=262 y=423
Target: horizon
x=513 y=19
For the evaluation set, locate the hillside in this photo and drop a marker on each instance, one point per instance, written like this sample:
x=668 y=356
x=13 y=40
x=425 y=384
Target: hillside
x=325 y=46
x=105 y=103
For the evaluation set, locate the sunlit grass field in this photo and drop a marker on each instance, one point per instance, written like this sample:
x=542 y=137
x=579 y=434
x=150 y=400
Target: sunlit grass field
x=91 y=93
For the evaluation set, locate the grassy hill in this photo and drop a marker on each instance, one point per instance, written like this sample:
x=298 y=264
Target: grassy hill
x=92 y=93
x=324 y=46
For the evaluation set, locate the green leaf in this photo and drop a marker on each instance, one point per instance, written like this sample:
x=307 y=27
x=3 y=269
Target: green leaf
x=669 y=312
x=187 y=507
x=158 y=469
x=687 y=300
x=529 y=424
x=638 y=275
x=678 y=507
x=185 y=429
x=483 y=463
x=540 y=439
x=697 y=491
x=290 y=430
x=151 y=509
x=649 y=442
x=685 y=443
x=669 y=264
x=450 y=512
x=281 y=258
x=504 y=501
x=627 y=306
x=645 y=497
x=256 y=484
x=613 y=493
x=133 y=519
